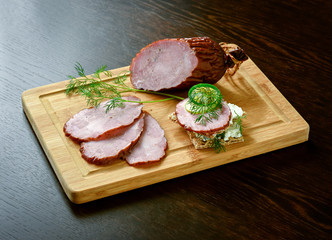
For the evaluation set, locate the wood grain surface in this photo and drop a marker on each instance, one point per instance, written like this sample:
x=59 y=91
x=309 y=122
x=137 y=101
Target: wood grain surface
x=284 y=194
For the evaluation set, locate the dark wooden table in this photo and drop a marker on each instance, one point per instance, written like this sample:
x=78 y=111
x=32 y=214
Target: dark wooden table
x=285 y=194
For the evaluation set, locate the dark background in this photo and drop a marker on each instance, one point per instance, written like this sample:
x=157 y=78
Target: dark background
x=285 y=194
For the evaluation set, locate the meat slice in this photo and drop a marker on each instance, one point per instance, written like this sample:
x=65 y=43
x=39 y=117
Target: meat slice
x=151 y=147
x=178 y=63
x=104 y=151
x=187 y=120
x=95 y=124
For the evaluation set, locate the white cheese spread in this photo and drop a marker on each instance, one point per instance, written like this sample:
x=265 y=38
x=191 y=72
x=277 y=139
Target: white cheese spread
x=234 y=129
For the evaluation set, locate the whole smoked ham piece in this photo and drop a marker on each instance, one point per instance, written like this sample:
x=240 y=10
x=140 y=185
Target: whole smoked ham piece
x=95 y=124
x=178 y=63
x=102 y=152
x=151 y=146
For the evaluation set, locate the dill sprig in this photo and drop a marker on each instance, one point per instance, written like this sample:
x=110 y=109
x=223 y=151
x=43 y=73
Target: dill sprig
x=205 y=100
x=217 y=142
x=95 y=90
x=238 y=122
x=205 y=117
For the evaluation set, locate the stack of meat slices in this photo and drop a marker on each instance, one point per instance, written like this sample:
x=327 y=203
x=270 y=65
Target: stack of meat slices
x=122 y=133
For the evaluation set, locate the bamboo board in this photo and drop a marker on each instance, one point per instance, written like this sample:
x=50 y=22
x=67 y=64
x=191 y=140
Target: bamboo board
x=271 y=123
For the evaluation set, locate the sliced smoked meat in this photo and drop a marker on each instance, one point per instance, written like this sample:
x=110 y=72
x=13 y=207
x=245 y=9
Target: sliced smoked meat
x=95 y=124
x=151 y=147
x=104 y=151
x=178 y=63
x=187 y=120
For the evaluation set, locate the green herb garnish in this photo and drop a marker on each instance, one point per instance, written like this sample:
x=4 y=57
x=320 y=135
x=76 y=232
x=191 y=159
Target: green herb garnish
x=95 y=90
x=216 y=142
x=238 y=121
x=205 y=101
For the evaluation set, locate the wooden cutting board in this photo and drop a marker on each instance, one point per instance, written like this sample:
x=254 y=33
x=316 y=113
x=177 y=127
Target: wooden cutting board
x=271 y=123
